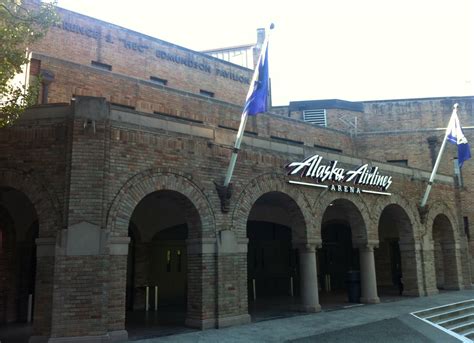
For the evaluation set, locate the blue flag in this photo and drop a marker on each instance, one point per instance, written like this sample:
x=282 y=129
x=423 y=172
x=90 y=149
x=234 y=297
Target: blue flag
x=256 y=101
x=455 y=135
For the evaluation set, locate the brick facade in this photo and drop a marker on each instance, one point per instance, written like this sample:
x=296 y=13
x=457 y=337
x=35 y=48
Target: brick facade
x=87 y=165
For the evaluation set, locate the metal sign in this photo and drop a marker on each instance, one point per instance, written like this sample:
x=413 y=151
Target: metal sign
x=346 y=181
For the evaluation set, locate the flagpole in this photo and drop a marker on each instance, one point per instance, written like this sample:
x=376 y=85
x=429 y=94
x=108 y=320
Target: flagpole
x=244 y=117
x=235 y=151
x=438 y=160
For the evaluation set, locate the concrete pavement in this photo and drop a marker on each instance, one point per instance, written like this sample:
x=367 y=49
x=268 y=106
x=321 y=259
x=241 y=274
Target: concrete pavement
x=386 y=322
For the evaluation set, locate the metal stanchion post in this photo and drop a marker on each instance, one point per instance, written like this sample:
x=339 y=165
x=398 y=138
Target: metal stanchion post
x=147 y=298
x=156 y=298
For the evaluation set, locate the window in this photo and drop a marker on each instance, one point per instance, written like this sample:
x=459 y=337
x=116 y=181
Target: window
x=158 y=80
x=403 y=163
x=316 y=117
x=286 y=140
x=206 y=93
x=101 y=65
x=327 y=148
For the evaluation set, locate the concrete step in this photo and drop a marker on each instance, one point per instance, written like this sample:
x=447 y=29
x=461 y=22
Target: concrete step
x=453 y=313
x=470 y=335
x=457 y=321
x=441 y=309
x=464 y=329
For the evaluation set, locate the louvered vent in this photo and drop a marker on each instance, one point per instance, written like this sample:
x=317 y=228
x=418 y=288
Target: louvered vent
x=317 y=117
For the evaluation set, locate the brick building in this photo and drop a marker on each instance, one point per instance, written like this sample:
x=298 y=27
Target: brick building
x=108 y=200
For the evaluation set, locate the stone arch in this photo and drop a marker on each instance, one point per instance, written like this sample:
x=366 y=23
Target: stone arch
x=50 y=221
x=44 y=202
x=443 y=236
x=435 y=210
x=326 y=198
x=398 y=258
x=395 y=199
x=200 y=219
x=149 y=181
x=268 y=183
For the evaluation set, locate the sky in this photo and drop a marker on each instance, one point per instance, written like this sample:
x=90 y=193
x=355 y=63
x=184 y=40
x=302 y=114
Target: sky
x=322 y=49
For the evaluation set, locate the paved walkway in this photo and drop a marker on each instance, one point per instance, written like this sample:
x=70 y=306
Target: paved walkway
x=386 y=322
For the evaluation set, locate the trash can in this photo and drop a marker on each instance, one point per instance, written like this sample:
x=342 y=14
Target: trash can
x=353 y=286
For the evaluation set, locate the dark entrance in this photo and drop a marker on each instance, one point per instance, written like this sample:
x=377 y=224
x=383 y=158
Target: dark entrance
x=271 y=262
x=395 y=259
x=336 y=257
x=18 y=232
x=156 y=297
x=342 y=230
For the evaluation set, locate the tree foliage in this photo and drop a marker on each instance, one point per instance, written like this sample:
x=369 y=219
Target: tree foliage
x=21 y=24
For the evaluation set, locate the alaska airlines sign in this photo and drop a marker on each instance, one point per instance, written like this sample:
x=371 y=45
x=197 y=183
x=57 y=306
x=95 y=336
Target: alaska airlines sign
x=347 y=181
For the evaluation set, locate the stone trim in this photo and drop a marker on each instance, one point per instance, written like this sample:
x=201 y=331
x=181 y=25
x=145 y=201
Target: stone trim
x=201 y=246
x=45 y=247
x=119 y=245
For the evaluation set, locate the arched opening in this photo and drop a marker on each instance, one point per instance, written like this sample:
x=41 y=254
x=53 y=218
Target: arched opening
x=18 y=231
x=445 y=261
x=157 y=266
x=342 y=229
x=395 y=259
x=272 y=262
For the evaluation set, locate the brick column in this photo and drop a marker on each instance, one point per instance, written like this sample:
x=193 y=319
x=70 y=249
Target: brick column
x=429 y=269
x=309 y=278
x=43 y=297
x=115 y=307
x=87 y=301
x=201 y=254
x=465 y=260
x=368 y=280
x=452 y=266
x=411 y=269
x=232 y=305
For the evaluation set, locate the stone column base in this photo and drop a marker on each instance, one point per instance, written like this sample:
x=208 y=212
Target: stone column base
x=413 y=293
x=234 y=320
x=307 y=309
x=201 y=324
x=118 y=336
x=84 y=339
x=454 y=287
x=375 y=300
x=431 y=291
x=112 y=336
